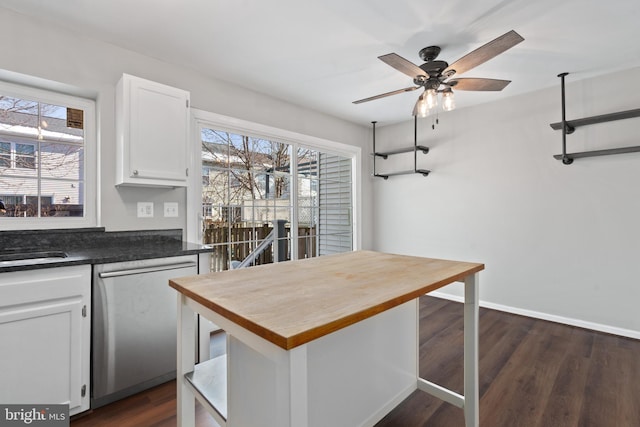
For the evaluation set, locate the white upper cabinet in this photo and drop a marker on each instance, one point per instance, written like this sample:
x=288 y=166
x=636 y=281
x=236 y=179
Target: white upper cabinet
x=152 y=125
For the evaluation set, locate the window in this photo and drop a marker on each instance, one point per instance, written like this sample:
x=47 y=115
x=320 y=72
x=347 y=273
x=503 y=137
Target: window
x=47 y=159
x=17 y=156
x=334 y=208
x=5 y=154
x=25 y=156
x=256 y=187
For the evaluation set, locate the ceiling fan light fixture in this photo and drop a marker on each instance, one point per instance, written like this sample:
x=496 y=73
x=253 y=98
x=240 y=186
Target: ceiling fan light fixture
x=431 y=98
x=448 y=101
x=421 y=108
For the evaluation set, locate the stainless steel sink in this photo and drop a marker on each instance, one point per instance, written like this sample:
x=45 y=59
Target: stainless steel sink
x=9 y=257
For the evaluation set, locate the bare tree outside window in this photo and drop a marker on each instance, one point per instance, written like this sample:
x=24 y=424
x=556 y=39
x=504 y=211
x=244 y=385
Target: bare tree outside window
x=247 y=157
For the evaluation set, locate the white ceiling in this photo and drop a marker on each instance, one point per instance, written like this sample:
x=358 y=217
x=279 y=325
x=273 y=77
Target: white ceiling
x=323 y=54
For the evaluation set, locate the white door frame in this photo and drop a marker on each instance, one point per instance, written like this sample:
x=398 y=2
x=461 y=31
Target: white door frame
x=200 y=118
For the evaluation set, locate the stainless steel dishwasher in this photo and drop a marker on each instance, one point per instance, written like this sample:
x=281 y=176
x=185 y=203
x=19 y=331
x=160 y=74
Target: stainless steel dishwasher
x=134 y=325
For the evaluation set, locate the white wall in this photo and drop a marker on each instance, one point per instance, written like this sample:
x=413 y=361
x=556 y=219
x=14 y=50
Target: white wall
x=39 y=49
x=561 y=242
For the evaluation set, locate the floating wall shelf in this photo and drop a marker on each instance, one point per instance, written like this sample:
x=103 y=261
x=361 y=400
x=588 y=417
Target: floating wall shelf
x=569 y=126
x=415 y=148
x=386 y=154
x=572 y=124
x=424 y=172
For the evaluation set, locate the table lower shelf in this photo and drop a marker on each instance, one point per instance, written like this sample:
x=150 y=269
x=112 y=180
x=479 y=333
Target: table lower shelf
x=209 y=381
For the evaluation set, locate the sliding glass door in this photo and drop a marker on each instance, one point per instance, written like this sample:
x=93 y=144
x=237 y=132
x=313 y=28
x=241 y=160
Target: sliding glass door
x=267 y=198
x=246 y=195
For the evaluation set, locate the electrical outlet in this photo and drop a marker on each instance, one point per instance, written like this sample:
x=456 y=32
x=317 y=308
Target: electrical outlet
x=145 y=209
x=171 y=209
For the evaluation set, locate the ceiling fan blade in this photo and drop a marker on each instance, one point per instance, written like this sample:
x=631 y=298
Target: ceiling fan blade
x=382 y=95
x=478 y=84
x=404 y=66
x=486 y=52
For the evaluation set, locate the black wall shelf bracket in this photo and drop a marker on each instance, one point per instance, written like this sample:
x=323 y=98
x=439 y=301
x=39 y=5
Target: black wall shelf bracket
x=415 y=148
x=569 y=126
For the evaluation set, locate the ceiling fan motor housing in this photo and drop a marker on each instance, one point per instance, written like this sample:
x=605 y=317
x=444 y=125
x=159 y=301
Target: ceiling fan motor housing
x=434 y=68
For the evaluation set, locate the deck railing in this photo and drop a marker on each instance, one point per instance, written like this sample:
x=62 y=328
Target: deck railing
x=237 y=242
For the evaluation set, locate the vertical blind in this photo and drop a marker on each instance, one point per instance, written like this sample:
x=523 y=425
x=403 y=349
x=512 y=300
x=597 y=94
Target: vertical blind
x=335 y=233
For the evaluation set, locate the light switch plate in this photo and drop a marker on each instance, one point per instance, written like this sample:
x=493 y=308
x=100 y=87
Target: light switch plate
x=145 y=209
x=171 y=209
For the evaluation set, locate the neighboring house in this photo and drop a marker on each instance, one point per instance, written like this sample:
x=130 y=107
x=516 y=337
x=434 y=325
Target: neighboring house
x=41 y=165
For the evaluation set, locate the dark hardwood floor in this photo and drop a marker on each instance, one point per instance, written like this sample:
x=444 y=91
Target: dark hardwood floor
x=155 y=407
x=532 y=374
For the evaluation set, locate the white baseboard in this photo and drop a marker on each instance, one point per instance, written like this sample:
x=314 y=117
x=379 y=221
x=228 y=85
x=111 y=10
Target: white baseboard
x=545 y=316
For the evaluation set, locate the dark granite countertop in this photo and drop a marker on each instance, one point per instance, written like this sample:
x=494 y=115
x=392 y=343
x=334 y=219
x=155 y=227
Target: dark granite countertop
x=93 y=246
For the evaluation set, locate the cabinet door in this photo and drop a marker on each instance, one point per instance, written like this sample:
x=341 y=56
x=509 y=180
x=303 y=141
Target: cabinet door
x=44 y=330
x=155 y=123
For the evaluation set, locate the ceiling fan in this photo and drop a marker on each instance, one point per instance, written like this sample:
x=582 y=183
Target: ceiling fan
x=435 y=76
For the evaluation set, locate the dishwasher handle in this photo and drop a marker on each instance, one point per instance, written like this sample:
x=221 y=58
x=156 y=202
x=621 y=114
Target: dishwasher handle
x=140 y=270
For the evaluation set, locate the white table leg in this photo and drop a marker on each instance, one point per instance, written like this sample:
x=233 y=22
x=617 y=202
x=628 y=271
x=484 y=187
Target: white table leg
x=471 y=320
x=185 y=415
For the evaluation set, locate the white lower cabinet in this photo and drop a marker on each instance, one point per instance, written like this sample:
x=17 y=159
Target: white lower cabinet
x=45 y=325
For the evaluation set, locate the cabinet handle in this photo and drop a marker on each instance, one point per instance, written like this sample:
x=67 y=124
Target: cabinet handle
x=151 y=269
x=135 y=171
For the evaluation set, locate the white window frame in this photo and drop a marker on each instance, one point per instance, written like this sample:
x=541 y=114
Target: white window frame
x=200 y=119
x=91 y=166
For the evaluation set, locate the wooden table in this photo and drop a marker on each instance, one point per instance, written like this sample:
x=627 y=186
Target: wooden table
x=327 y=341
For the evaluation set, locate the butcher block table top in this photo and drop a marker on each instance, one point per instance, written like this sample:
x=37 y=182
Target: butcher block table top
x=292 y=303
